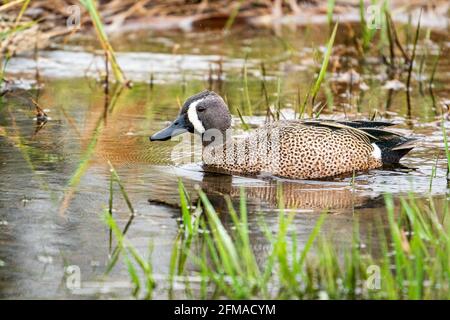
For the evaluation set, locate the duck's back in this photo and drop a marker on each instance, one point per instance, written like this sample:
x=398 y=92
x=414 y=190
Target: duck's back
x=314 y=151
x=304 y=149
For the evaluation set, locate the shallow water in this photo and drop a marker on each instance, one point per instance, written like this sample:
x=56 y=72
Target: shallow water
x=54 y=179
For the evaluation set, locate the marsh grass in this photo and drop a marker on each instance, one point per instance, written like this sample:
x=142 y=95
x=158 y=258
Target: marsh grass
x=245 y=126
x=367 y=33
x=316 y=84
x=431 y=82
x=8 y=35
x=17 y=27
x=264 y=92
x=393 y=38
x=411 y=64
x=447 y=149
x=103 y=39
x=323 y=68
x=3 y=65
x=89 y=151
x=248 y=103
x=234 y=13
x=408 y=261
x=139 y=268
x=278 y=102
x=330 y=9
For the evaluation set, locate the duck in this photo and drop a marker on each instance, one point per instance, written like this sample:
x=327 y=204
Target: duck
x=293 y=149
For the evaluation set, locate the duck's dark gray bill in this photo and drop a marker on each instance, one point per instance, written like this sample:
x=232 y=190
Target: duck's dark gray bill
x=176 y=128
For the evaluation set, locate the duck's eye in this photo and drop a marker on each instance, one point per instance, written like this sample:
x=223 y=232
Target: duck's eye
x=201 y=108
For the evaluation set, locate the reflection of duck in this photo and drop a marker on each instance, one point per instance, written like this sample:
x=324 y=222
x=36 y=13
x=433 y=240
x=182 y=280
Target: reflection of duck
x=299 y=149
x=315 y=197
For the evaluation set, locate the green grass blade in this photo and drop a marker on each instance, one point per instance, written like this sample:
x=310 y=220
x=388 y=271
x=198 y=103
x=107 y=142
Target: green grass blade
x=323 y=69
x=103 y=38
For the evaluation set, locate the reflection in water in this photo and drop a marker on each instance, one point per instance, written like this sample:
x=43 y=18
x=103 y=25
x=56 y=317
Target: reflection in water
x=35 y=171
x=304 y=196
x=307 y=199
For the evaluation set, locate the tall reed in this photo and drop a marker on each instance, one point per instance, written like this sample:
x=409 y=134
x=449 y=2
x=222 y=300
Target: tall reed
x=103 y=39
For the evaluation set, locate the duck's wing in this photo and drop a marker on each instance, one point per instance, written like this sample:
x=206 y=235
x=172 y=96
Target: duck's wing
x=355 y=128
x=366 y=124
x=393 y=145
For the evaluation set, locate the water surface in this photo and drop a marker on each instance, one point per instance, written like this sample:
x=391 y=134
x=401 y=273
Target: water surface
x=54 y=179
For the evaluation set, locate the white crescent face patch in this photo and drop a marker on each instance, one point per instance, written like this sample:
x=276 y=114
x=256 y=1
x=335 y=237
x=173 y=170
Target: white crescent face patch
x=193 y=116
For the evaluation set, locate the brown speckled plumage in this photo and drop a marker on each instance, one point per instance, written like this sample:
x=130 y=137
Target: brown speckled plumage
x=297 y=149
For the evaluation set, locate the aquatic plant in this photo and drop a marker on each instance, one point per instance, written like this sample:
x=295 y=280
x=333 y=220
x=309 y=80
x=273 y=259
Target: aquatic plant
x=447 y=149
x=330 y=9
x=366 y=32
x=432 y=77
x=8 y=35
x=245 y=126
x=133 y=259
x=124 y=248
x=103 y=38
x=413 y=263
x=3 y=64
x=248 y=103
x=232 y=17
x=323 y=69
x=393 y=38
x=89 y=151
x=411 y=64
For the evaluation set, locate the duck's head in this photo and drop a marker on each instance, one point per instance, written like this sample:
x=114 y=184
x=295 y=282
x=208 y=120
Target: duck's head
x=201 y=112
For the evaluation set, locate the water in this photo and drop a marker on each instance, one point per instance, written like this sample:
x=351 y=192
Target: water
x=54 y=180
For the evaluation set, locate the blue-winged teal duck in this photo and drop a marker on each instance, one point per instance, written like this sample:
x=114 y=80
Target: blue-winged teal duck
x=297 y=149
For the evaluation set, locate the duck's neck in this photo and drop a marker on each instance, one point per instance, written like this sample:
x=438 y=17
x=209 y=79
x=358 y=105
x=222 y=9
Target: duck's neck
x=215 y=137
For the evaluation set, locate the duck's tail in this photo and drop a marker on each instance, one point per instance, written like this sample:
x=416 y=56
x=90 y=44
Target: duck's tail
x=392 y=145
